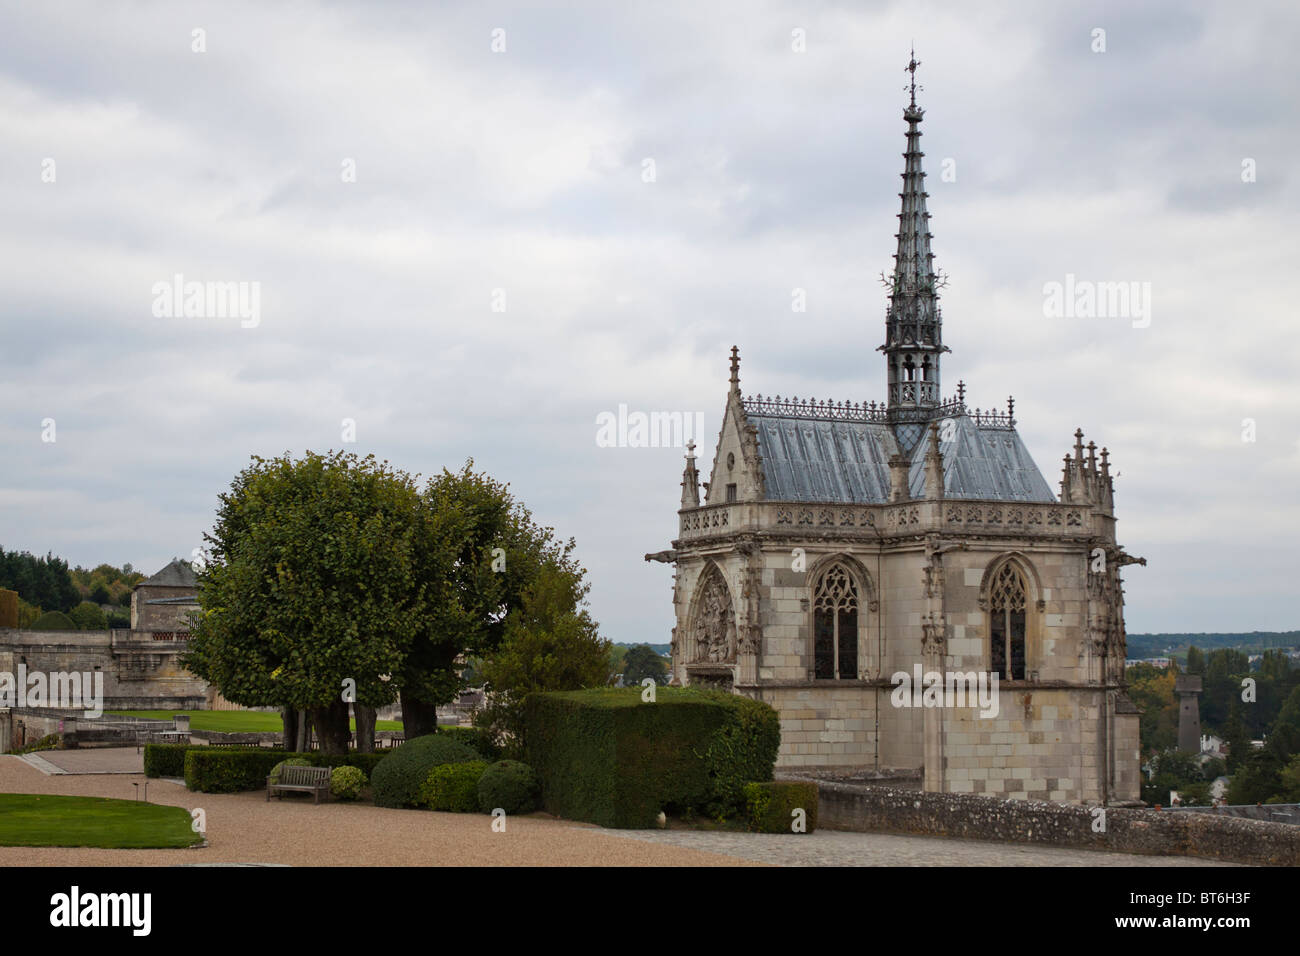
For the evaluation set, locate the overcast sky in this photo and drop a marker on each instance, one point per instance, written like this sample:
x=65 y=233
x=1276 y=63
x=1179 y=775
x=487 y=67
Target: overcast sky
x=524 y=170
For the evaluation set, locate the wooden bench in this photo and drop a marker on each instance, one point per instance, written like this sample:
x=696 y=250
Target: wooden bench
x=305 y=779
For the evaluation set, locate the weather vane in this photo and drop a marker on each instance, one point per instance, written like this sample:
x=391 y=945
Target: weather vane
x=911 y=68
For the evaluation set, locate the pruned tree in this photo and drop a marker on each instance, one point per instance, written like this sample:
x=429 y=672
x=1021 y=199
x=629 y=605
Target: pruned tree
x=483 y=553
x=313 y=586
x=333 y=569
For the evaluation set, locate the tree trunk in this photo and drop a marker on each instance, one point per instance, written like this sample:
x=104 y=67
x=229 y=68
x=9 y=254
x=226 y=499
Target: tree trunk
x=418 y=718
x=289 y=717
x=304 y=732
x=365 y=718
x=332 y=727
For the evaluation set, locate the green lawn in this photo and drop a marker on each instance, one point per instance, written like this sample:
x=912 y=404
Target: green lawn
x=232 y=721
x=29 y=819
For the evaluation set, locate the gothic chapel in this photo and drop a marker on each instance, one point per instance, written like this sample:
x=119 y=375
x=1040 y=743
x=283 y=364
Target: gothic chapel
x=839 y=544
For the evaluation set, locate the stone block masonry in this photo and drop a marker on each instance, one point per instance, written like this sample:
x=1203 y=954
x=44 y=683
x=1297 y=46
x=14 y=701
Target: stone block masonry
x=139 y=672
x=867 y=808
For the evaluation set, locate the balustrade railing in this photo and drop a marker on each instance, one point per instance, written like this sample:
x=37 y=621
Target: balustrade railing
x=905 y=393
x=950 y=515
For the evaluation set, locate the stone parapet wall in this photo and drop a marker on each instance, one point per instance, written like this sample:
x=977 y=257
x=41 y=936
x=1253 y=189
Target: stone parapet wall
x=865 y=808
x=914 y=516
x=138 y=674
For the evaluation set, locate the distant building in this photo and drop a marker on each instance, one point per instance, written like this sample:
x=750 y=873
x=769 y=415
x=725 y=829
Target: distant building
x=141 y=665
x=163 y=603
x=1188 y=689
x=1153 y=661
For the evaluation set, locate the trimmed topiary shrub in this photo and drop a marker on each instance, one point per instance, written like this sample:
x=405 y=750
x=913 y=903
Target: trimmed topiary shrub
x=346 y=782
x=510 y=785
x=606 y=756
x=274 y=775
x=742 y=751
x=168 y=760
x=453 y=787
x=477 y=739
x=397 y=778
x=165 y=760
x=771 y=807
x=212 y=770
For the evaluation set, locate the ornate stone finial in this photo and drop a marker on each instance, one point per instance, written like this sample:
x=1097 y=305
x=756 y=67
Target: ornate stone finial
x=735 y=369
x=1078 y=444
x=961 y=392
x=934 y=465
x=691 y=479
x=1105 y=462
x=1011 y=410
x=898 y=483
x=1092 y=456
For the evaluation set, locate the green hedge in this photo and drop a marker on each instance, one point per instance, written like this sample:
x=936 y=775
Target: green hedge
x=165 y=760
x=477 y=739
x=397 y=780
x=453 y=787
x=168 y=760
x=605 y=756
x=218 y=770
x=366 y=763
x=210 y=770
x=508 y=785
x=770 y=806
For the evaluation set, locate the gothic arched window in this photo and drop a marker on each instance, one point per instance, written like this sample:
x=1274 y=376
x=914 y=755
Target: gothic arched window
x=1007 y=600
x=835 y=625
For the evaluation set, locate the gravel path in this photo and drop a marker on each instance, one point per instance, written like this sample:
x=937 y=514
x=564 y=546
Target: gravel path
x=840 y=848
x=244 y=828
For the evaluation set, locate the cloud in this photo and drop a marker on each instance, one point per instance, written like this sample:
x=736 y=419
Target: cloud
x=481 y=174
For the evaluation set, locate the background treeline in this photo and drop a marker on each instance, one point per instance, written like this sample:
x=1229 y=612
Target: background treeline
x=1176 y=645
x=52 y=596
x=1268 y=711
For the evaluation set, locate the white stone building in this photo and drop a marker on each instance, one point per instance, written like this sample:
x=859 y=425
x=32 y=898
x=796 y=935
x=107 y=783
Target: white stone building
x=836 y=545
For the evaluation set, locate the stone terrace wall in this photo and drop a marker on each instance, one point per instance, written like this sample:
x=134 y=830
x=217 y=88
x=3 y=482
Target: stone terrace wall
x=863 y=808
x=138 y=674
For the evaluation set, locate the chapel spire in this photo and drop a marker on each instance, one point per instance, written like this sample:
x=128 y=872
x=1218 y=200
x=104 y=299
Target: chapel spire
x=913 y=326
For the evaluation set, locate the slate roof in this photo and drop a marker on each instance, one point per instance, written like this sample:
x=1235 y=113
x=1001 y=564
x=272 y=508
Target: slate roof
x=827 y=460
x=177 y=574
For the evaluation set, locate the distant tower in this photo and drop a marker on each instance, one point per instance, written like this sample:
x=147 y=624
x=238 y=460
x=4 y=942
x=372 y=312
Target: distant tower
x=1188 y=689
x=913 y=326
